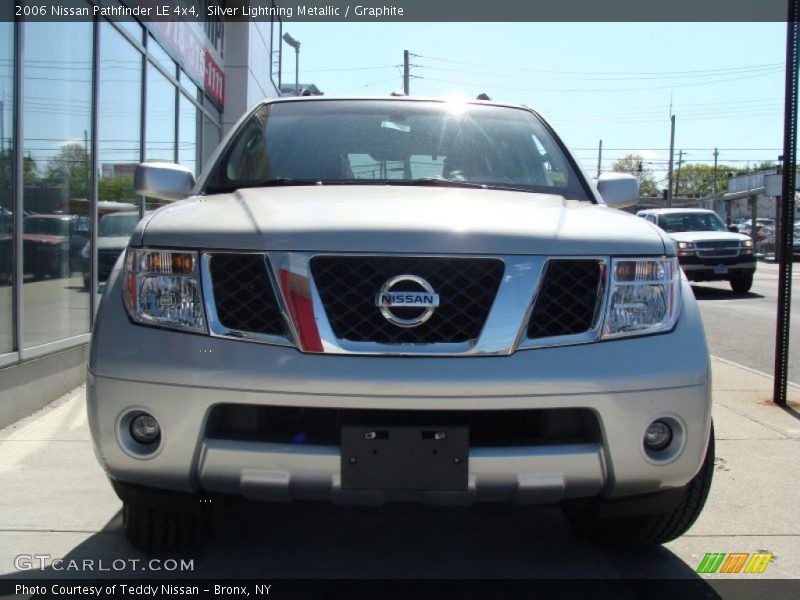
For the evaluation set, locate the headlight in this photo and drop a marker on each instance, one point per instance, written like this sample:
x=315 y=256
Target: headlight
x=686 y=248
x=644 y=296
x=685 y=245
x=162 y=287
x=747 y=243
x=85 y=251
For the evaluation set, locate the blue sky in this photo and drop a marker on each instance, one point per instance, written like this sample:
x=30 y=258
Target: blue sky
x=609 y=81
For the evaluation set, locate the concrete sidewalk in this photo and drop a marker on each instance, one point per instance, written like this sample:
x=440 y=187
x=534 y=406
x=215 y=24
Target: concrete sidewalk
x=55 y=500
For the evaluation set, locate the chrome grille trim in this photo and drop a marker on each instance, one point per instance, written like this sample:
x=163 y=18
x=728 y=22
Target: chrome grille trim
x=216 y=328
x=504 y=331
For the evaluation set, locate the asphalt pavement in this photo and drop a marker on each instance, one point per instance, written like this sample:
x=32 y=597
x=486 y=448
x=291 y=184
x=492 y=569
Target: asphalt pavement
x=741 y=327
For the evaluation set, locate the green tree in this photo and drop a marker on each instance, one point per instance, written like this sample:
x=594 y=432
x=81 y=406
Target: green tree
x=70 y=168
x=634 y=164
x=119 y=187
x=699 y=179
x=29 y=176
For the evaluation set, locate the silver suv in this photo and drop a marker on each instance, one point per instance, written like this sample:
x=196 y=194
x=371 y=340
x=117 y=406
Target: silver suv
x=365 y=301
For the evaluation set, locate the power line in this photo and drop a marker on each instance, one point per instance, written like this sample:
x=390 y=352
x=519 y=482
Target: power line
x=600 y=90
x=613 y=78
x=528 y=69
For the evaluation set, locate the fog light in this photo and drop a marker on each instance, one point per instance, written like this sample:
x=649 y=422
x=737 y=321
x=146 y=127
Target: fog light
x=145 y=429
x=658 y=435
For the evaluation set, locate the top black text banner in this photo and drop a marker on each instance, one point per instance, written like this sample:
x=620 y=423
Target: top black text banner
x=399 y=10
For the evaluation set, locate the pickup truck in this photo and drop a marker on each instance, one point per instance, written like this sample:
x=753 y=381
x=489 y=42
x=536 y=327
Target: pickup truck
x=707 y=250
x=369 y=301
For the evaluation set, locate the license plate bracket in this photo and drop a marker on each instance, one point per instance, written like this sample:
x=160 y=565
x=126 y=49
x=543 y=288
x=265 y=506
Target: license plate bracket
x=404 y=456
x=721 y=270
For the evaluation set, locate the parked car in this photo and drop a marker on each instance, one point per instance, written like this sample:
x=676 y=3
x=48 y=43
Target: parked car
x=400 y=300
x=113 y=232
x=46 y=244
x=707 y=250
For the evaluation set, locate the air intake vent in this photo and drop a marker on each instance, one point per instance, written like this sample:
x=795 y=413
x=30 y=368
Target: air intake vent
x=567 y=299
x=348 y=285
x=243 y=294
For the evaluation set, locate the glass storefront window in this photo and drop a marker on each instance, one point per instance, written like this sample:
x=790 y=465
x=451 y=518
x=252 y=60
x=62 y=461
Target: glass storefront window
x=118 y=144
x=159 y=117
x=188 y=134
x=6 y=180
x=211 y=138
x=56 y=126
x=159 y=121
x=160 y=55
x=190 y=87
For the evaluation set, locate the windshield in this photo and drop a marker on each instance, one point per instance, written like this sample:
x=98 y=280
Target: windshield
x=47 y=226
x=117 y=225
x=396 y=142
x=691 y=222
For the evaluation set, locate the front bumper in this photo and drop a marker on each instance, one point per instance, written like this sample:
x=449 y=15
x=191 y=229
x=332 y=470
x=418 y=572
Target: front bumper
x=180 y=378
x=707 y=269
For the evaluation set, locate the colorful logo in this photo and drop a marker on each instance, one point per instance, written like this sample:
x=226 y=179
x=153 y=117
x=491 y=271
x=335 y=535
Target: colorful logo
x=734 y=562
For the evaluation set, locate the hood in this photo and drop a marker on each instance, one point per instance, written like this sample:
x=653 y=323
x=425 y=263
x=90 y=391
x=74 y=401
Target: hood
x=398 y=219
x=44 y=238
x=112 y=242
x=707 y=236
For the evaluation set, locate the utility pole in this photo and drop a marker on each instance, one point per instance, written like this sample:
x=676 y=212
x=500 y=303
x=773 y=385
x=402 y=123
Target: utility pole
x=599 y=158
x=714 y=183
x=678 y=177
x=2 y=123
x=406 y=76
x=671 y=159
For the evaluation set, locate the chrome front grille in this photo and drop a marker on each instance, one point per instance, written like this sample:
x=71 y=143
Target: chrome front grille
x=568 y=298
x=333 y=304
x=243 y=294
x=717 y=248
x=348 y=285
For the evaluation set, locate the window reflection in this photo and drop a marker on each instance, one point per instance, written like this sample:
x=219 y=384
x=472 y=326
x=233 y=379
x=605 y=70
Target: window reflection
x=119 y=106
x=56 y=124
x=188 y=134
x=211 y=138
x=6 y=180
x=159 y=120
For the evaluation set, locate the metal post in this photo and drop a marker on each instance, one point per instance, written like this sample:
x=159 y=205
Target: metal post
x=753 y=217
x=19 y=183
x=678 y=177
x=716 y=155
x=599 y=158
x=94 y=166
x=406 y=76
x=787 y=205
x=671 y=159
x=297 y=70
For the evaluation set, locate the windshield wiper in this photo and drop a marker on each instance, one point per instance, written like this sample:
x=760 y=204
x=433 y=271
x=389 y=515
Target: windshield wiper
x=271 y=182
x=437 y=181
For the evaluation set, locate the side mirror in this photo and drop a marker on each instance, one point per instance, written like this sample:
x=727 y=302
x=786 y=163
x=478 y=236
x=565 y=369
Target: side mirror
x=618 y=189
x=733 y=229
x=165 y=181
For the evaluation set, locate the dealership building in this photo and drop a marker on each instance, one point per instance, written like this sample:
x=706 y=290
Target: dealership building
x=81 y=103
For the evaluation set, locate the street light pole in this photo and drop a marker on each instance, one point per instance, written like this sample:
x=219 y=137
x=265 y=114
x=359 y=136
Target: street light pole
x=671 y=159
x=296 y=45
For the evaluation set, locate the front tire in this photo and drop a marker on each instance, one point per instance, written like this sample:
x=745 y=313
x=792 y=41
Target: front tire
x=159 y=521
x=741 y=284
x=158 y=530
x=647 y=530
